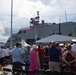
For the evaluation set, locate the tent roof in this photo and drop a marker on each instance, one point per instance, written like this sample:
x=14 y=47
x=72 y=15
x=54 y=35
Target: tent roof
x=57 y=38
x=24 y=43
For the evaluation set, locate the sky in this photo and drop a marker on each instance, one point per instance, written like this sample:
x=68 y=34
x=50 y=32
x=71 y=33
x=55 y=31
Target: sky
x=52 y=11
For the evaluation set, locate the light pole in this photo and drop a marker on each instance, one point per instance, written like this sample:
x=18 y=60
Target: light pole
x=11 y=20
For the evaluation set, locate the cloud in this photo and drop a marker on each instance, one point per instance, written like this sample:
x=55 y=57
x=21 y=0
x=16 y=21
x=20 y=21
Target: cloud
x=2 y=37
x=27 y=8
x=45 y=2
x=1 y=29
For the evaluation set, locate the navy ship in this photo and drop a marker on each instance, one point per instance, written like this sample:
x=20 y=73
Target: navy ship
x=41 y=30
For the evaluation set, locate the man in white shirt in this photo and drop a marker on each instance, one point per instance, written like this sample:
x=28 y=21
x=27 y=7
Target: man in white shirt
x=2 y=55
x=7 y=54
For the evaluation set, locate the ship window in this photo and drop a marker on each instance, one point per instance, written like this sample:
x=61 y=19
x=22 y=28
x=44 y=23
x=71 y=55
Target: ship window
x=70 y=34
x=8 y=41
x=24 y=31
x=19 y=32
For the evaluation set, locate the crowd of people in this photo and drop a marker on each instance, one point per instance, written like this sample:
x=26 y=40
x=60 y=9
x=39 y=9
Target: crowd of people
x=5 y=53
x=58 y=56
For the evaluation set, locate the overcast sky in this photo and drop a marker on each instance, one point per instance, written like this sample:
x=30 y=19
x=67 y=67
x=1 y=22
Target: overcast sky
x=23 y=10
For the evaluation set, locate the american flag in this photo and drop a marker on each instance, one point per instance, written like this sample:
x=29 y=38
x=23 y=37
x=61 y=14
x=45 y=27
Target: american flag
x=36 y=18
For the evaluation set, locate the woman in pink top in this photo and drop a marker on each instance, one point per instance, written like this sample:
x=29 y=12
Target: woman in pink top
x=34 y=60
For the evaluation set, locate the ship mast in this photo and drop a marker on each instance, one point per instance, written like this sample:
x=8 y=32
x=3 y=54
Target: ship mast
x=35 y=20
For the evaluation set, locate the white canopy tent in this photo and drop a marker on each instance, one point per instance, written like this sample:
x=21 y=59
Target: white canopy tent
x=24 y=44
x=57 y=38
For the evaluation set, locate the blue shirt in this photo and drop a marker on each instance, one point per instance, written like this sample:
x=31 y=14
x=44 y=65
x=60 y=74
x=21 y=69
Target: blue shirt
x=54 y=54
x=17 y=54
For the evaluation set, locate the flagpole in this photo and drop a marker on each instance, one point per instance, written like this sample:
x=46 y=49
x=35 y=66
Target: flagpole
x=11 y=20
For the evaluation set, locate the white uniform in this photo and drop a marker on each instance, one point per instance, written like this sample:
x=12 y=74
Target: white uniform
x=7 y=52
x=74 y=47
x=2 y=53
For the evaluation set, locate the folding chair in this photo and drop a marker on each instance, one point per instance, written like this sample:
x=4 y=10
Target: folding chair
x=52 y=73
x=16 y=71
x=7 y=69
x=27 y=72
x=67 y=73
x=46 y=66
x=39 y=72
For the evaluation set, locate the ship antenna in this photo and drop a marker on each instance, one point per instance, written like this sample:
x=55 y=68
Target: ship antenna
x=65 y=16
